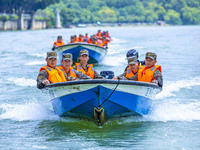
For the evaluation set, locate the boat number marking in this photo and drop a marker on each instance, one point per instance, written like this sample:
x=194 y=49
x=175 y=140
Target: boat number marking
x=149 y=92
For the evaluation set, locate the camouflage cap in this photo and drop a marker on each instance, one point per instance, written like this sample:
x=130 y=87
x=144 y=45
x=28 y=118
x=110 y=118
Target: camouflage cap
x=59 y=37
x=84 y=51
x=66 y=56
x=51 y=55
x=132 y=60
x=151 y=55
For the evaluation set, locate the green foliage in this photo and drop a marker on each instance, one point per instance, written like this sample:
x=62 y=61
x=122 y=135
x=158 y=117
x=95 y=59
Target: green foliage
x=175 y=12
x=4 y=17
x=173 y=17
x=191 y=15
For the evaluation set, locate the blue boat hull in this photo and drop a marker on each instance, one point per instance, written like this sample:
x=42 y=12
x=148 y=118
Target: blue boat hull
x=96 y=53
x=100 y=103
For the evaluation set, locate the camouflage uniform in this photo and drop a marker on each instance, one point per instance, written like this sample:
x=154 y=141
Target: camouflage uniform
x=157 y=75
x=123 y=77
x=79 y=75
x=96 y=75
x=43 y=75
x=131 y=60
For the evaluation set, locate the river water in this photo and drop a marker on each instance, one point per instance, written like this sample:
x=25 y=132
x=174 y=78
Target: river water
x=27 y=120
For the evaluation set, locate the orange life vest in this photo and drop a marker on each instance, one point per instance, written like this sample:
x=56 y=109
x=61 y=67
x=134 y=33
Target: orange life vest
x=129 y=73
x=55 y=75
x=103 y=43
x=58 y=43
x=80 y=39
x=76 y=40
x=146 y=75
x=71 y=71
x=90 y=71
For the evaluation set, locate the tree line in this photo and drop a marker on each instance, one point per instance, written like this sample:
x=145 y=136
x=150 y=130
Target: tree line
x=175 y=12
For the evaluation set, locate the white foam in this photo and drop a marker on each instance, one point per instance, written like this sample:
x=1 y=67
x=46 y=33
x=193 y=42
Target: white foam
x=171 y=87
x=169 y=111
x=22 y=81
x=27 y=111
x=35 y=63
x=113 y=47
x=39 y=55
x=175 y=111
x=113 y=61
x=116 y=40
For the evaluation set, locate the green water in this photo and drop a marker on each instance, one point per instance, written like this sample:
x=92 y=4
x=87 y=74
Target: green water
x=27 y=120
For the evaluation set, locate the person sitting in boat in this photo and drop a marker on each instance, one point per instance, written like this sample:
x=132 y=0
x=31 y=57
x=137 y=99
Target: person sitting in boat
x=80 y=38
x=92 y=40
x=76 y=39
x=131 y=71
x=58 y=43
x=104 y=43
x=86 y=38
x=70 y=73
x=50 y=73
x=86 y=68
x=71 y=40
x=131 y=53
x=99 y=33
x=150 y=72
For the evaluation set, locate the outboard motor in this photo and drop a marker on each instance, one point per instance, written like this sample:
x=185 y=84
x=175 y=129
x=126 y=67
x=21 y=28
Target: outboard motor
x=107 y=74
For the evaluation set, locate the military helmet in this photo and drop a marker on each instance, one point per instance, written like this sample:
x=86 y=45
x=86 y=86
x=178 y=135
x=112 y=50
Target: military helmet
x=132 y=52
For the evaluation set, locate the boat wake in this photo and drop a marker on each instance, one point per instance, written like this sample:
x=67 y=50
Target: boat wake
x=169 y=111
x=170 y=88
x=35 y=63
x=118 y=41
x=175 y=111
x=27 y=111
x=22 y=81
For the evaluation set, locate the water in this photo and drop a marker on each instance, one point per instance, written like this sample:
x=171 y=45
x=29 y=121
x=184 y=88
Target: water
x=28 y=122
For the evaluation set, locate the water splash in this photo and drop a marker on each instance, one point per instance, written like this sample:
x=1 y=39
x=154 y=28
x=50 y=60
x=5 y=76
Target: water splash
x=27 y=111
x=170 y=88
x=35 y=63
x=175 y=111
x=113 y=61
x=22 y=81
x=118 y=41
x=43 y=55
x=169 y=111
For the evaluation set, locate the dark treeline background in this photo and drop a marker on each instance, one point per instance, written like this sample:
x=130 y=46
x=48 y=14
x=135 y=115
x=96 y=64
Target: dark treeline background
x=175 y=12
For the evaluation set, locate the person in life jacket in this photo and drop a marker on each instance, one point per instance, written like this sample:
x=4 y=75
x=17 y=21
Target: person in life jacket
x=99 y=33
x=58 y=43
x=69 y=72
x=86 y=68
x=131 y=53
x=86 y=38
x=131 y=72
x=71 y=40
x=50 y=73
x=80 y=38
x=104 y=43
x=76 y=39
x=93 y=41
x=150 y=72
